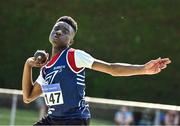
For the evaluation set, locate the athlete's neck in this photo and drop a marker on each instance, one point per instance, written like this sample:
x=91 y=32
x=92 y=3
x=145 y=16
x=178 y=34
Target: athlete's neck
x=56 y=50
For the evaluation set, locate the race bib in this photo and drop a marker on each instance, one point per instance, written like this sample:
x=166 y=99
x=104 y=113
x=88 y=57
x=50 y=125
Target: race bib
x=52 y=94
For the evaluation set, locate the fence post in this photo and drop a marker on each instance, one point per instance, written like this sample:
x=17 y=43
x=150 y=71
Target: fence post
x=13 y=110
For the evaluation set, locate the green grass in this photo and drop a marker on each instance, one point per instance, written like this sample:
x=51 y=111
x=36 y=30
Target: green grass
x=28 y=117
x=100 y=122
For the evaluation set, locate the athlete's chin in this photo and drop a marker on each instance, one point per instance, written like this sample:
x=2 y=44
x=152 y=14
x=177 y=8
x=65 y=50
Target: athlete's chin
x=55 y=41
x=58 y=44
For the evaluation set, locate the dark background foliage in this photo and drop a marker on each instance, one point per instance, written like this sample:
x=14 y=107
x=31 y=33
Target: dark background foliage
x=130 y=31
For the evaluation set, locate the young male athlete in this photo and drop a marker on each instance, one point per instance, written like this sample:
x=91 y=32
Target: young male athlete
x=62 y=79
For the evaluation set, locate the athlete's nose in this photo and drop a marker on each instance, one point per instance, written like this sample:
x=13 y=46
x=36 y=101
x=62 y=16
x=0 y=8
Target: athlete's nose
x=59 y=32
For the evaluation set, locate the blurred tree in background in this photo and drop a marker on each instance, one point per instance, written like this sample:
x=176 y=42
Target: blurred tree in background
x=132 y=31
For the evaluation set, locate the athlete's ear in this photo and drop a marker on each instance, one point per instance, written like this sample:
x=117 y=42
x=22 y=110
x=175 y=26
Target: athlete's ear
x=71 y=42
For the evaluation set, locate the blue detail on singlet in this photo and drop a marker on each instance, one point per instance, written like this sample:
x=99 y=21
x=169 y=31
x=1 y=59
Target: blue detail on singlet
x=52 y=88
x=72 y=87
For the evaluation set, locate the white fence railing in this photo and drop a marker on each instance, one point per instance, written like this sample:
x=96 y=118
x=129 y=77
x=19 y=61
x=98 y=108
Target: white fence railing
x=15 y=94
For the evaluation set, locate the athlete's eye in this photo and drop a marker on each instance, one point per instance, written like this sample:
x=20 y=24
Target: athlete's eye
x=65 y=31
x=56 y=28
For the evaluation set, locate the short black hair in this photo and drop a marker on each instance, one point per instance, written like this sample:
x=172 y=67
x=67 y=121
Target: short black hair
x=69 y=20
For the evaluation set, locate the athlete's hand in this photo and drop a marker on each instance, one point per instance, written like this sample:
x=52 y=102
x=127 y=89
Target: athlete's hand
x=155 y=66
x=34 y=63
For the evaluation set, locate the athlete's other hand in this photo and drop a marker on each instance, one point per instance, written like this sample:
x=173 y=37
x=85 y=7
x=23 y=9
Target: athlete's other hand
x=35 y=63
x=155 y=66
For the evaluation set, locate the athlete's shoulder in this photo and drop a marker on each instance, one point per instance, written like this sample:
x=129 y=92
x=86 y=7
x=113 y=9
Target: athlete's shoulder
x=75 y=49
x=81 y=58
x=71 y=54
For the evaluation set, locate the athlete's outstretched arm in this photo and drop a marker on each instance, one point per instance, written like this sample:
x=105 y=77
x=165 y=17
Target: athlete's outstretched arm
x=30 y=90
x=122 y=69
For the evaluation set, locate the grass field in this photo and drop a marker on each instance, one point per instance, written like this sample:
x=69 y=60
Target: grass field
x=26 y=117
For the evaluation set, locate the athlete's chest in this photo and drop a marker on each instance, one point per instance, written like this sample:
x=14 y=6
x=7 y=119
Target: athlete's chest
x=56 y=72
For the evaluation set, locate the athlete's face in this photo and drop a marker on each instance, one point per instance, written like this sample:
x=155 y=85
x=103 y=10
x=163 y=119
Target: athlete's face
x=61 y=35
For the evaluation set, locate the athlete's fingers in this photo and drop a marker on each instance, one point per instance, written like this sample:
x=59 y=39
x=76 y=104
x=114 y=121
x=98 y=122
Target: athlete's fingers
x=152 y=63
x=166 y=61
x=39 y=58
x=38 y=65
x=37 y=61
x=47 y=55
x=157 y=69
x=163 y=67
x=163 y=63
x=157 y=60
x=31 y=61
